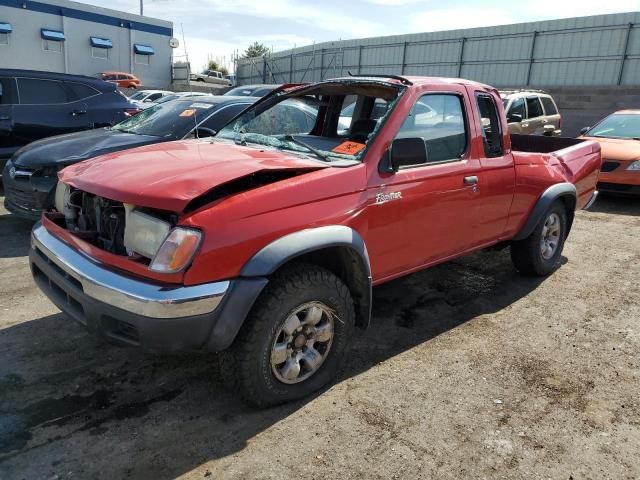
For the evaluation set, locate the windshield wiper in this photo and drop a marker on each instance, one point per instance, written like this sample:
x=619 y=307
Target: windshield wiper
x=315 y=151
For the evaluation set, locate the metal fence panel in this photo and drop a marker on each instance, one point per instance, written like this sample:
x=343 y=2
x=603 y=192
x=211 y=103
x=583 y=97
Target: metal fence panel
x=601 y=50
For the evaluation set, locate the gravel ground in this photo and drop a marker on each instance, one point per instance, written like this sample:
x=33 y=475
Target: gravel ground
x=468 y=371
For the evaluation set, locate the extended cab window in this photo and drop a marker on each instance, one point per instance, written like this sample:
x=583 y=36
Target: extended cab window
x=439 y=120
x=41 y=92
x=490 y=125
x=534 y=107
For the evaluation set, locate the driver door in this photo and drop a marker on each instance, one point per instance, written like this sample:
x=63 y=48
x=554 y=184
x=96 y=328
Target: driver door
x=422 y=213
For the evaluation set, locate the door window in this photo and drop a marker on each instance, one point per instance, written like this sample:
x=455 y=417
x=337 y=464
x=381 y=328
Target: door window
x=41 y=92
x=439 y=120
x=549 y=106
x=534 y=107
x=490 y=125
x=7 y=91
x=517 y=108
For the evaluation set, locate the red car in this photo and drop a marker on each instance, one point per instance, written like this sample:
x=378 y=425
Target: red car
x=264 y=243
x=122 y=79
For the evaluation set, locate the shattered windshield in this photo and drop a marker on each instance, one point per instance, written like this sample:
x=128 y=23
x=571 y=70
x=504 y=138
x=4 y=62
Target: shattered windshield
x=315 y=125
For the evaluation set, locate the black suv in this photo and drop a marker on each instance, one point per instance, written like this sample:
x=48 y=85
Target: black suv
x=36 y=105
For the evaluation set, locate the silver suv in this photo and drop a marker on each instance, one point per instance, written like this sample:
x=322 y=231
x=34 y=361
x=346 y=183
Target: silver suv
x=531 y=112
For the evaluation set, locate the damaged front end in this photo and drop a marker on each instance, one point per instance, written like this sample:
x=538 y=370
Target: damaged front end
x=142 y=236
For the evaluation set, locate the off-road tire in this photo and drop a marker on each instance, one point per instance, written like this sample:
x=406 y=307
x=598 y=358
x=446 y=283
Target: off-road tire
x=526 y=254
x=246 y=366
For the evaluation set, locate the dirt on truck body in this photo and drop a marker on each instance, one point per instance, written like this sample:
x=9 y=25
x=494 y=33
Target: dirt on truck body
x=265 y=242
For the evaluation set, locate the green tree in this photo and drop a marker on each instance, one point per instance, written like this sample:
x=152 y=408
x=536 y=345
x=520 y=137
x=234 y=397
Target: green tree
x=213 y=65
x=255 y=50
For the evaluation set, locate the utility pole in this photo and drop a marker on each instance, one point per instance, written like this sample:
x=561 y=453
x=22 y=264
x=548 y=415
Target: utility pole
x=141 y=7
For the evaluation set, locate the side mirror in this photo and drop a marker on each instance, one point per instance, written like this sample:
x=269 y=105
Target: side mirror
x=514 y=118
x=404 y=152
x=584 y=130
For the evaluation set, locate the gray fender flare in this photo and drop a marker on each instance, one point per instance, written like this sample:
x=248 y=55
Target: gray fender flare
x=550 y=195
x=280 y=251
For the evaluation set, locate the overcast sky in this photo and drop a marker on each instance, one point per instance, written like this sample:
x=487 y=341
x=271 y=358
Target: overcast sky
x=217 y=28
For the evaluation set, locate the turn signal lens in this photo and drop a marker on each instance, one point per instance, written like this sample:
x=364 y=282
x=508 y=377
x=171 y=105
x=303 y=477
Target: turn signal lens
x=176 y=251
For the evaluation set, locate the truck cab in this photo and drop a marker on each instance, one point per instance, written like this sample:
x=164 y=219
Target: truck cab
x=264 y=243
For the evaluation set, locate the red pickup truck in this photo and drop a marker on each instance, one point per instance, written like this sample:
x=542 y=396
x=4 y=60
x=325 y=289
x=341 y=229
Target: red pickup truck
x=264 y=242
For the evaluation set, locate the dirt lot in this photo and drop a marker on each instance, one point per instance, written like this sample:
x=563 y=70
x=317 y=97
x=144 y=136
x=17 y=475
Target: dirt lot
x=469 y=371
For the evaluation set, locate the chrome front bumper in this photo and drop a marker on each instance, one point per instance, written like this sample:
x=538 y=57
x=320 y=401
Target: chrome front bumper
x=125 y=293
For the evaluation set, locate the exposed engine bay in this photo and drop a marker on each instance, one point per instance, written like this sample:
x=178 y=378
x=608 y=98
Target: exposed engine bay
x=115 y=227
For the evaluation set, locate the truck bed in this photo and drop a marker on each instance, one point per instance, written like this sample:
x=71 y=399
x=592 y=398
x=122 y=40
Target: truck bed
x=578 y=160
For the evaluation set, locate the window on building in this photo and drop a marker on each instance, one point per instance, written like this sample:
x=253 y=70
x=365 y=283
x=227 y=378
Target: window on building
x=101 y=53
x=35 y=91
x=52 y=46
x=100 y=47
x=5 y=30
x=143 y=59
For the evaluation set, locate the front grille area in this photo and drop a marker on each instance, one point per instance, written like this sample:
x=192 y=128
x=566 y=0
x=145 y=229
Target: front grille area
x=609 y=166
x=22 y=199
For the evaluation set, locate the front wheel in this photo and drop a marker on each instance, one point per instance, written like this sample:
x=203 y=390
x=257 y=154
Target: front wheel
x=294 y=339
x=540 y=253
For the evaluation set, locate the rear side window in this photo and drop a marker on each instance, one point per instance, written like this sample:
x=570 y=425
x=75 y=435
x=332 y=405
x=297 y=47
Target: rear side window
x=490 y=125
x=439 y=120
x=7 y=91
x=41 y=92
x=534 y=107
x=79 y=91
x=549 y=106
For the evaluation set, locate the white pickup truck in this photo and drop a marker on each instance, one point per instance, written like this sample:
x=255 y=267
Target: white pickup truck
x=210 y=76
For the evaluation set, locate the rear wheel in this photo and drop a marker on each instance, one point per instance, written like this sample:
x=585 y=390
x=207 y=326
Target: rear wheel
x=540 y=253
x=294 y=339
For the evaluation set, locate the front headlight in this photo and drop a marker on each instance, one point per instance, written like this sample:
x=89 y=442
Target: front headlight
x=177 y=250
x=62 y=196
x=634 y=166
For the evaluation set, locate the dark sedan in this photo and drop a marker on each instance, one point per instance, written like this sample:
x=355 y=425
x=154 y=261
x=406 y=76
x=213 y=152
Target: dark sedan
x=31 y=175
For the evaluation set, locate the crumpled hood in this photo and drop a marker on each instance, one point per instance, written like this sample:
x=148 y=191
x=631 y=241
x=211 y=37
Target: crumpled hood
x=621 y=149
x=169 y=175
x=75 y=147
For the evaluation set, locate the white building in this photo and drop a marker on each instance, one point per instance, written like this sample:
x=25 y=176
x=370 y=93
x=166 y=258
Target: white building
x=71 y=37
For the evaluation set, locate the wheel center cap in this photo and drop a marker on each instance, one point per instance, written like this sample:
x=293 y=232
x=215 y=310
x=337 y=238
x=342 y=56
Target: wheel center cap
x=300 y=340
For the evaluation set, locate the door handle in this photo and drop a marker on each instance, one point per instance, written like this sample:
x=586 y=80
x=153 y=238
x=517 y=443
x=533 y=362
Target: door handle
x=471 y=180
